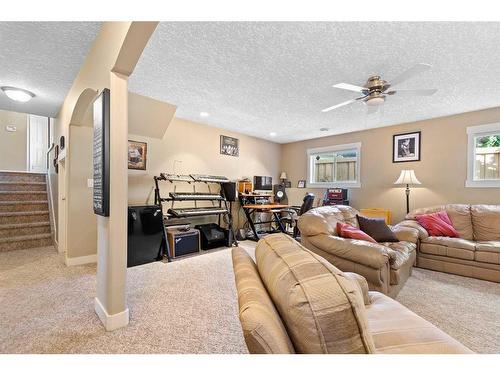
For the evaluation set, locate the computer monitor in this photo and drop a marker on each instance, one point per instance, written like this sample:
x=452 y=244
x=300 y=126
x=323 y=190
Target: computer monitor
x=262 y=183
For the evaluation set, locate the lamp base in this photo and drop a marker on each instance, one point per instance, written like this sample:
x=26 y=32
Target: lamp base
x=407 y=191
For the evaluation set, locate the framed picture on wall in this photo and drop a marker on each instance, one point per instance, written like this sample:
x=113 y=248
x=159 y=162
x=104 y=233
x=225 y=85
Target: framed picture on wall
x=137 y=155
x=301 y=184
x=229 y=146
x=406 y=147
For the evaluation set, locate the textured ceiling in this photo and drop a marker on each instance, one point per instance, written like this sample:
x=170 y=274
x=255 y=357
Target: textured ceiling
x=42 y=57
x=258 y=78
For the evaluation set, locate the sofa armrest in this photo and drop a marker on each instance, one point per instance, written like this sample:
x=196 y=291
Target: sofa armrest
x=361 y=282
x=422 y=232
x=370 y=254
x=405 y=233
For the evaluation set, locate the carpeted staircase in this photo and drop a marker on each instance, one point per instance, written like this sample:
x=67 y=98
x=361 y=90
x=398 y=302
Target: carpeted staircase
x=24 y=211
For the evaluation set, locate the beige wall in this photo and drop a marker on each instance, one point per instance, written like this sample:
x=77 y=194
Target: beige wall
x=13 y=144
x=82 y=223
x=196 y=148
x=442 y=169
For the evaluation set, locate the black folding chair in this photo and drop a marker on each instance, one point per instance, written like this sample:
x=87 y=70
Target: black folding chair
x=292 y=214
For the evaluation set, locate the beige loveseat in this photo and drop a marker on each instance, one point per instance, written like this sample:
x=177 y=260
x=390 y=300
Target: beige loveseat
x=294 y=301
x=386 y=266
x=475 y=254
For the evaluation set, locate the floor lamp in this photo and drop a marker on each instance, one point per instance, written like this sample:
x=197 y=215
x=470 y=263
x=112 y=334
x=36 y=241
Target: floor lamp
x=407 y=177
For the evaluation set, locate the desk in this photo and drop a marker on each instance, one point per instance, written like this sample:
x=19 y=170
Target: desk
x=249 y=209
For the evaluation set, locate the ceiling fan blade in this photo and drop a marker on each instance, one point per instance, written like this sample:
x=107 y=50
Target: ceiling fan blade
x=413 y=71
x=342 y=104
x=417 y=92
x=347 y=86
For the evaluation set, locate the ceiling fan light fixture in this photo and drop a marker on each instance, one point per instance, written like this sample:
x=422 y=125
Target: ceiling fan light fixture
x=18 y=95
x=377 y=100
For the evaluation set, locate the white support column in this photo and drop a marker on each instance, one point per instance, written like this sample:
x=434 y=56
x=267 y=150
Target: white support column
x=110 y=303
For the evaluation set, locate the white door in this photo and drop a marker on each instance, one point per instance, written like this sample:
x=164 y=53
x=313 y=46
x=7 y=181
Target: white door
x=38 y=144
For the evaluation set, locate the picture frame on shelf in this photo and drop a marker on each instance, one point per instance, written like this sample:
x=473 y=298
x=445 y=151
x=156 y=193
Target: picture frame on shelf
x=301 y=184
x=406 y=147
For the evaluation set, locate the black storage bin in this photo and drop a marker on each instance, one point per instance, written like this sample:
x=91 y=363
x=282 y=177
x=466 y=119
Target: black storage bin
x=145 y=235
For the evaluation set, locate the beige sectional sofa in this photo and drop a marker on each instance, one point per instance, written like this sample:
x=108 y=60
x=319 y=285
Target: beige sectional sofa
x=386 y=266
x=294 y=301
x=475 y=254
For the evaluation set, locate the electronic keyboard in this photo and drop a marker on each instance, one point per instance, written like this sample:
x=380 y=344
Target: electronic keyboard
x=176 y=177
x=209 y=178
x=195 y=196
x=202 y=211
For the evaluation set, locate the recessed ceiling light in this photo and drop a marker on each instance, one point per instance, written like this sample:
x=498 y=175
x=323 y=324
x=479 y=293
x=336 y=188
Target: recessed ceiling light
x=324 y=129
x=273 y=134
x=19 y=95
x=204 y=114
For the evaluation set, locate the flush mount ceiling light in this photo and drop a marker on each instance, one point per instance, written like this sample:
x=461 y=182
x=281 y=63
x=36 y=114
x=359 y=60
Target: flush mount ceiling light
x=204 y=114
x=19 y=95
x=273 y=134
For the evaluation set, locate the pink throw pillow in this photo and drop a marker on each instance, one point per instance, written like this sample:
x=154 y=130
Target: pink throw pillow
x=348 y=231
x=437 y=224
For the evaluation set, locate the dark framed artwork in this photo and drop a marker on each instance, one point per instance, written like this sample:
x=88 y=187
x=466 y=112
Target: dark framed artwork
x=100 y=153
x=137 y=155
x=301 y=184
x=229 y=146
x=406 y=147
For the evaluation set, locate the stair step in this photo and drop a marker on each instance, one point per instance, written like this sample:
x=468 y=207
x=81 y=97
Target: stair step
x=25 y=242
x=22 y=186
x=21 y=176
x=22 y=195
x=24 y=229
x=13 y=206
x=23 y=217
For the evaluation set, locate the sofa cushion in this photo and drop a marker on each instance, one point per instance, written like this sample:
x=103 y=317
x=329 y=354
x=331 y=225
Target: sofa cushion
x=397 y=330
x=488 y=252
x=458 y=243
x=486 y=222
x=322 y=310
x=262 y=327
x=449 y=247
x=403 y=251
x=459 y=214
x=348 y=231
x=323 y=220
x=377 y=229
x=437 y=224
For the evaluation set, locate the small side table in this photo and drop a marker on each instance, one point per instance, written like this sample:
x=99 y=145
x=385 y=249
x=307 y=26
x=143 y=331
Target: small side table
x=381 y=213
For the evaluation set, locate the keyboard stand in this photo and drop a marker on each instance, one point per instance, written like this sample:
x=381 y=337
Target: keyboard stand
x=223 y=209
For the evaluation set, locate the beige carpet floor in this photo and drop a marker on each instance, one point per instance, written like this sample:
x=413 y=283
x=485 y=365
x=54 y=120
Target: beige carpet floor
x=190 y=306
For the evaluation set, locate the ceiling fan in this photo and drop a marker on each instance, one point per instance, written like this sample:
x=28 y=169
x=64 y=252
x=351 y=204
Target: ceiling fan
x=376 y=90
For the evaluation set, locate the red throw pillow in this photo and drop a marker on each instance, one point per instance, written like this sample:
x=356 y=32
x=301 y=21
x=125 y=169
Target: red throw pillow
x=348 y=231
x=437 y=224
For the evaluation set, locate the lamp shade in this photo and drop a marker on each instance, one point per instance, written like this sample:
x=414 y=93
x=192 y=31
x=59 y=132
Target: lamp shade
x=283 y=176
x=407 y=177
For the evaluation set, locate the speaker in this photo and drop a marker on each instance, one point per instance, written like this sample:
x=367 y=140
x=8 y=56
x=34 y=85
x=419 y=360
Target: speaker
x=183 y=242
x=279 y=193
x=230 y=191
x=212 y=236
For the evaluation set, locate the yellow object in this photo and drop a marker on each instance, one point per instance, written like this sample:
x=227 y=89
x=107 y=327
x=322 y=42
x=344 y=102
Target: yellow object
x=381 y=213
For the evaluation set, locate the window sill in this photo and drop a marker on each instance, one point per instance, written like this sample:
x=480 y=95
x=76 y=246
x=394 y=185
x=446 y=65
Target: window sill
x=344 y=185
x=482 y=184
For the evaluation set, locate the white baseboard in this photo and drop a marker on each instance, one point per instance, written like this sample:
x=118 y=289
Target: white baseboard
x=111 y=322
x=78 y=261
